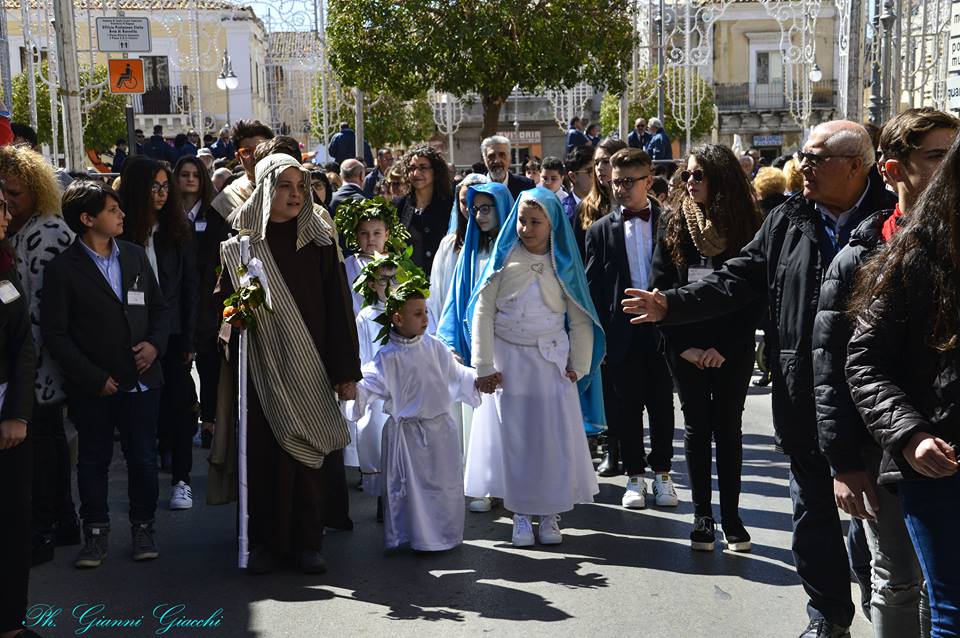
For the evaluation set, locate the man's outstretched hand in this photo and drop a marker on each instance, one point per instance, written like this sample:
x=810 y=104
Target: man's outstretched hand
x=649 y=307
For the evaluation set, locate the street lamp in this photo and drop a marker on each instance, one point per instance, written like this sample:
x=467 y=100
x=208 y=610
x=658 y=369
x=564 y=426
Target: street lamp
x=815 y=74
x=227 y=79
x=887 y=20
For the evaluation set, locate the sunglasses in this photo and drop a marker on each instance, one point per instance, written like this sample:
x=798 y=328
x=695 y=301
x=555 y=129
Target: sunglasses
x=696 y=174
x=814 y=159
x=158 y=187
x=246 y=152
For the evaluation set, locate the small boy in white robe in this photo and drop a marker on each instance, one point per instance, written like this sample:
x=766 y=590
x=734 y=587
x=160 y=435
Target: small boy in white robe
x=372 y=286
x=417 y=378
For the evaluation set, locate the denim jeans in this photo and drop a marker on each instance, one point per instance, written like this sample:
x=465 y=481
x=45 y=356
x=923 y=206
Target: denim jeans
x=931 y=509
x=134 y=414
x=897 y=582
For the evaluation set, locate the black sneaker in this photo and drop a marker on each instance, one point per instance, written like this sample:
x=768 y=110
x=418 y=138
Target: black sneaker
x=42 y=550
x=261 y=561
x=94 y=548
x=312 y=562
x=736 y=537
x=67 y=531
x=821 y=628
x=144 y=546
x=703 y=536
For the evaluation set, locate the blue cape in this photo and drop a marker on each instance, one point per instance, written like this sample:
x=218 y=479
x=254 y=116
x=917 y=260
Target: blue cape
x=573 y=280
x=451 y=328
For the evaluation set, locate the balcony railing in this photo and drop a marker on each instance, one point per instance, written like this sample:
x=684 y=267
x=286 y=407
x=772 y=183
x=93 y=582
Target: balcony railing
x=744 y=97
x=162 y=100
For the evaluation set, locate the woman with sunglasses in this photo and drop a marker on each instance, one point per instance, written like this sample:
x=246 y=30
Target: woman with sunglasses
x=599 y=201
x=713 y=216
x=156 y=221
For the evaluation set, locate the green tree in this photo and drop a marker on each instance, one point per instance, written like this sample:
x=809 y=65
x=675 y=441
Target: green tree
x=646 y=106
x=487 y=48
x=103 y=123
x=388 y=120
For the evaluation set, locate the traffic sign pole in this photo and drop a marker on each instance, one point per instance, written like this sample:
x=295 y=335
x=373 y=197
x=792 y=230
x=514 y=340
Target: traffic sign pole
x=69 y=84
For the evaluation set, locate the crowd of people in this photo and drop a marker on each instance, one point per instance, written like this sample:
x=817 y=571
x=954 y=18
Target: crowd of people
x=472 y=336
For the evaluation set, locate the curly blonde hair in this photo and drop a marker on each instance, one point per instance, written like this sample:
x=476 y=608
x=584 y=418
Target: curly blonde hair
x=36 y=175
x=791 y=171
x=770 y=181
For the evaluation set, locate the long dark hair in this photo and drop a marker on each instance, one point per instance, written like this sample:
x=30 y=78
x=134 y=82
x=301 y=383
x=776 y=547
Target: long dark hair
x=135 y=184
x=923 y=258
x=597 y=202
x=206 y=185
x=442 y=182
x=731 y=203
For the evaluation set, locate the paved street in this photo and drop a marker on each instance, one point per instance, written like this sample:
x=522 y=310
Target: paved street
x=618 y=573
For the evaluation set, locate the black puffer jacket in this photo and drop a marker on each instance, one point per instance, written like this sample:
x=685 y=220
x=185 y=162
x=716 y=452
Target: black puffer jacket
x=900 y=384
x=843 y=436
x=785 y=263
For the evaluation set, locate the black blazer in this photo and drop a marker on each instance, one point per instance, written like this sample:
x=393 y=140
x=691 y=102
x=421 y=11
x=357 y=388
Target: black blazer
x=18 y=358
x=177 y=270
x=90 y=332
x=516 y=184
x=207 y=250
x=608 y=275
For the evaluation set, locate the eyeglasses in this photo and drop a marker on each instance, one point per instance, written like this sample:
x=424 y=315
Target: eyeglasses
x=157 y=187
x=246 y=152
x=386 y=281
x=423 y=168
x=815 y=159
x=483 y=209
x=696 y=174
x=626 y=183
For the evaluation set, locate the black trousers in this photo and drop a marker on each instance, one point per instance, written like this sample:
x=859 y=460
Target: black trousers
x=178 y=411
x=15 y=515
x=208 y=368
x=818 y=548
x=52 y=496
x=641 y=376
x=712 y=403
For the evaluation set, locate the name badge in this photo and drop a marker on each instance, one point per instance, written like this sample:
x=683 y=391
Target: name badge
x=696 y=273
x=200 y=226
x=136 y=298
x=8 y=292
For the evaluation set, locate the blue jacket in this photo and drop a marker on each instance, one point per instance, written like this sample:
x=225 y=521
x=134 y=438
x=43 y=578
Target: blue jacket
x=638 y=141
x=222 y=149
x=659 y=146
x=574 y=139
x=343 y=146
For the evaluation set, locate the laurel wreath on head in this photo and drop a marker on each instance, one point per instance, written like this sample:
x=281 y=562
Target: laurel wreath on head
x=410 y=283
x=370 y=273
x=351 y=213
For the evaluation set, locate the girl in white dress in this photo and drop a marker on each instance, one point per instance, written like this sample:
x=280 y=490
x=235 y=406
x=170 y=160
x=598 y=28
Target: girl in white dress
x=535 y=328
x=417 y=378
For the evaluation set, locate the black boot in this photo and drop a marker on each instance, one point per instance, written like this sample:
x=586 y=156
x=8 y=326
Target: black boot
x=42 y=551
x=67 y=530
x=610 y=465
x=763 y=381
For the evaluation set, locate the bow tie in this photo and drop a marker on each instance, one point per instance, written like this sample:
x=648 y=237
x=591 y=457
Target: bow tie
x=643 y=214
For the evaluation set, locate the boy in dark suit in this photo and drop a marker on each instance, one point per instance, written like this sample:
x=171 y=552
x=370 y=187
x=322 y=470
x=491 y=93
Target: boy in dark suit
x=104 y=321
x=619 y=251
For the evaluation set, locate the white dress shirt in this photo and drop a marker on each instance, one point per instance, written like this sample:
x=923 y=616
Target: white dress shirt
x=639 y=239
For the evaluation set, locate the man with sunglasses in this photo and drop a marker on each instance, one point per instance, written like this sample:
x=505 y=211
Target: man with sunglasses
x=639 y=137
x=785 y=264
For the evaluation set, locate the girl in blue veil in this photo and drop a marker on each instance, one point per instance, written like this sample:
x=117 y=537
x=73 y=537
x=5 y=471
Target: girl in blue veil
x=535 y=333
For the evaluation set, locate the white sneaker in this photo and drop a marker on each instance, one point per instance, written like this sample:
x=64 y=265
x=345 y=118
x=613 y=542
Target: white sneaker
x=635 y=498
x=182 y=498
x=549 y=530
x=522 y=531
x=481 y=505
x=664 y=491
